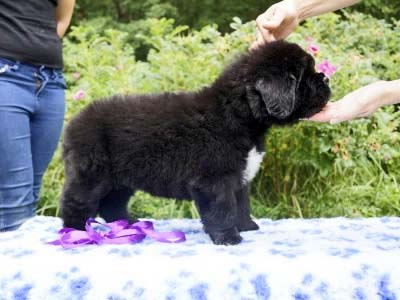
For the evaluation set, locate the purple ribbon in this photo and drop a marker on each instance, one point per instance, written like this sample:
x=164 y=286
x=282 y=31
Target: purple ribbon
x=118 y=232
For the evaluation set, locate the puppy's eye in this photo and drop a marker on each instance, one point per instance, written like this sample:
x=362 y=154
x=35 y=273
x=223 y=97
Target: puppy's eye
x=294 y=80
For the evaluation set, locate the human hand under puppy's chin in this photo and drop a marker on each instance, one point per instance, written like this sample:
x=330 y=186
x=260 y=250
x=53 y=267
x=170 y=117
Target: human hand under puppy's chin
x=359 y=103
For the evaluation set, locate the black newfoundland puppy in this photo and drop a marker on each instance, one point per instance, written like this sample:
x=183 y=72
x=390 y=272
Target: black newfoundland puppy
x=205 y=145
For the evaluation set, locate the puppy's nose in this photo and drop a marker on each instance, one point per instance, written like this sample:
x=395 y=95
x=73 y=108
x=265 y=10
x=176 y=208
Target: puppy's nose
x=325 y=80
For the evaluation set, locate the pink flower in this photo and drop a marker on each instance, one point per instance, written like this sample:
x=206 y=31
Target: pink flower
x=79 y=95
x=119 y=67
x=76 y=75
x=327 y=68
x=311 y=47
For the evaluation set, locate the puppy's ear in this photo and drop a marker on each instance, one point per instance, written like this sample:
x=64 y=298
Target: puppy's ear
x=256 y=106
x=278 y=95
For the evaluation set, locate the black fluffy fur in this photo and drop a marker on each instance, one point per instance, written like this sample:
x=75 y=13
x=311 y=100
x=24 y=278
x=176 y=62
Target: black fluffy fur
x=188 y=145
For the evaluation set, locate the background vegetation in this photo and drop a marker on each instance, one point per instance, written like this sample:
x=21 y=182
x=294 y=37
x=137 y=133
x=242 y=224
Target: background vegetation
x=351 y=169
x=198 y=13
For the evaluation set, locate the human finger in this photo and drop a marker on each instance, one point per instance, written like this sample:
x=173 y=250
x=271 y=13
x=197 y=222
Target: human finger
x=272 y=21
x=325 y=115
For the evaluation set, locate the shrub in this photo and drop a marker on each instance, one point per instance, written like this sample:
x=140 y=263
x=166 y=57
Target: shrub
x=310 y=169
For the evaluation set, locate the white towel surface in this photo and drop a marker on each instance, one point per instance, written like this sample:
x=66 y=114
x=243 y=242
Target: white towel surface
x=297 y=259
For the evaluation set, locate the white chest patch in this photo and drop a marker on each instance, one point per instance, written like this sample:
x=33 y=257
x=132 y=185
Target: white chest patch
x=254 y=160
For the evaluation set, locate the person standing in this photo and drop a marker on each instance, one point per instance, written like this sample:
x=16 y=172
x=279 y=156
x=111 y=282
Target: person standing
x=32 y=100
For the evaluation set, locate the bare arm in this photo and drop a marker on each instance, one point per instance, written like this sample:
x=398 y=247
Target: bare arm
x=311 y=8
x=360 y=103
x=279 y=20
x=64 y=12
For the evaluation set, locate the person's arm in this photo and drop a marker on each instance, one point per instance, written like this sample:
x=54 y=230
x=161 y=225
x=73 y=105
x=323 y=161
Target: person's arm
x=278 y=21
x=360 y=103
x=63 y=16
x=311 y=8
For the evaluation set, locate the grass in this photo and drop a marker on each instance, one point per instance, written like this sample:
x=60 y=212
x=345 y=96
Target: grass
x=310 y=170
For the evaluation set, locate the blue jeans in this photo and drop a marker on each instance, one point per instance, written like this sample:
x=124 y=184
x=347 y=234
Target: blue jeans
x=32 y=105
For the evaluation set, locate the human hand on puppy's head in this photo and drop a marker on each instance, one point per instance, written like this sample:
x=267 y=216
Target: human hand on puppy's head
x=276 y=23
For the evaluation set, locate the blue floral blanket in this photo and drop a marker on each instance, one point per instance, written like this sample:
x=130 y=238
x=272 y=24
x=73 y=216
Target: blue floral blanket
x=297 y=259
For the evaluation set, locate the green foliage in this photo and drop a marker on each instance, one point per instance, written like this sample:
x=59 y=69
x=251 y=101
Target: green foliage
x=310 y=169
x=382 y=9
x=124 y=10
x=193 y=13
x=351 y=169
x=199 y=13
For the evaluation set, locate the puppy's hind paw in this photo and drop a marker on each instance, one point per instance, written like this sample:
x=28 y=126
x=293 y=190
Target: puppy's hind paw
x=248 y=226
x=226 y=237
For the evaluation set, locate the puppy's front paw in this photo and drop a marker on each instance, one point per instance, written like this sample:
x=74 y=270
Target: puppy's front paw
x=247 y=225
x=76 y=223
x=132 y=219
x=226 y=237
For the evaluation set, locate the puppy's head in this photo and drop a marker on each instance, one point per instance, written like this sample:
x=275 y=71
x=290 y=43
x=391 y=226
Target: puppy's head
x=282 y=84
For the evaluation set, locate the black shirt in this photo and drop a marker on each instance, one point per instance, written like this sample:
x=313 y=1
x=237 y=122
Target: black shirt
x=28 y=32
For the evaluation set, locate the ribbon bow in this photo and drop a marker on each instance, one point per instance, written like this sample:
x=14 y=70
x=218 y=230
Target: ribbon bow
x=118 y=232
